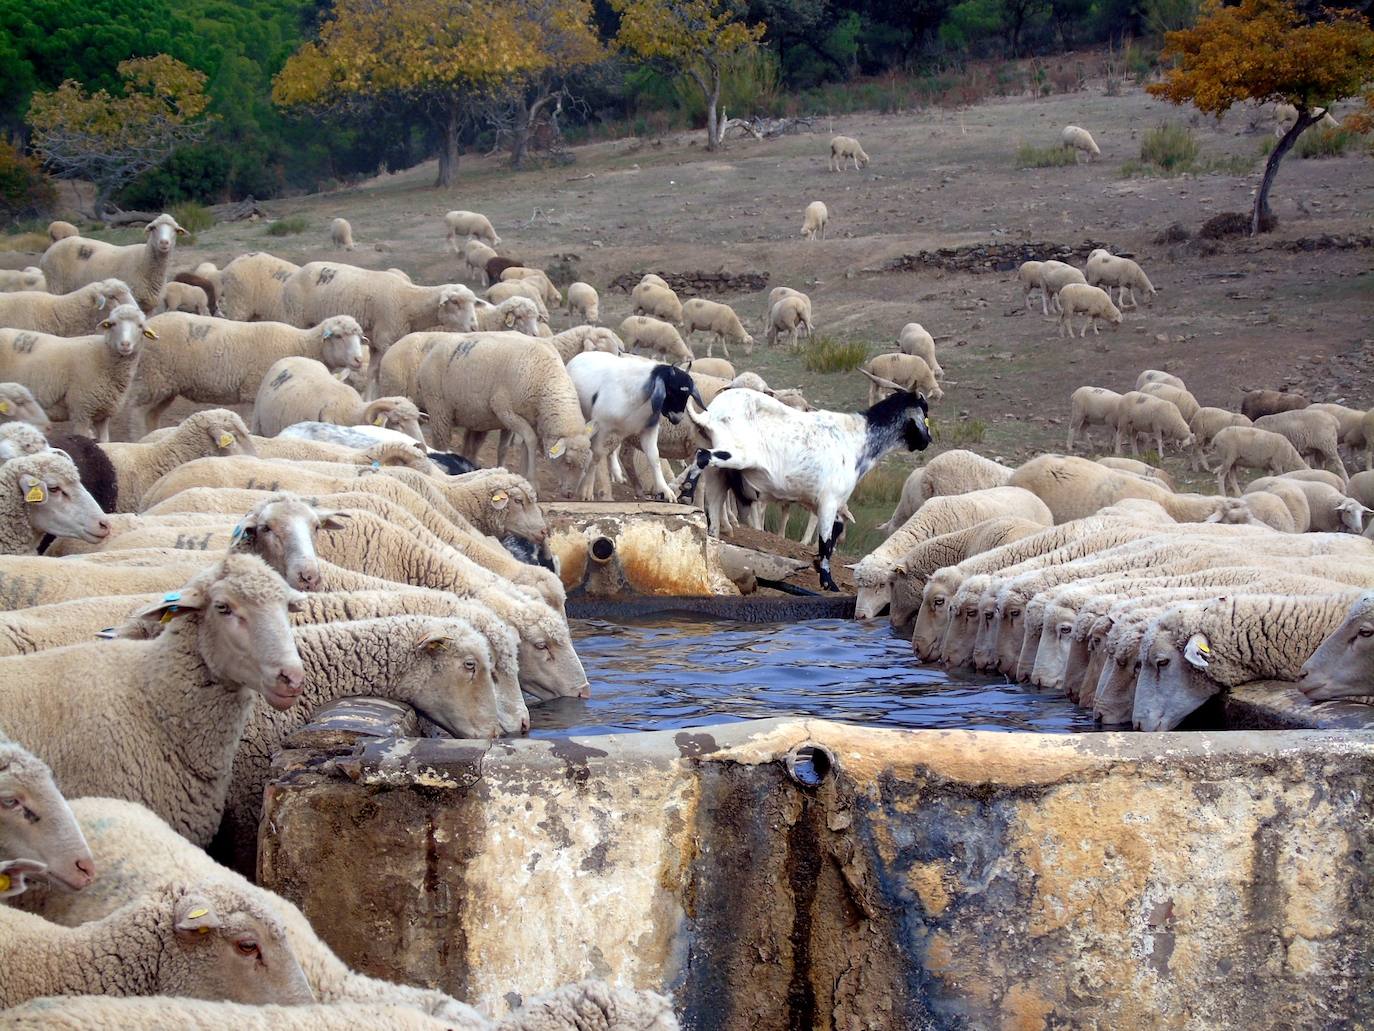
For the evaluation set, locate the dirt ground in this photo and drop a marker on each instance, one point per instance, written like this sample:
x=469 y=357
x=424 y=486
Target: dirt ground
x=1251 y=314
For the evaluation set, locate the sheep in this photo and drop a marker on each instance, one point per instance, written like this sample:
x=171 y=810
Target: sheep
x=779 y=292
x=1076 y=487
x=1339 y=666
x=468 y=224
x=1350 y=421
x=1257 y=403
x=341 y=234
x=1106 y=268
x=1205 y=424
x=717 y=368
x=948 y=473
x=1361 y=488
x=1158 y=376
x=252 y=285
x=295 y=389
x=909 y=575
x=719 y=320
x=813 y=221
x=1131 y=465
x=1028 y=275
x=1314 y=434
x=1318 y=476
x=1080 y=141
x=177 y=296
x=504 y=289
x=170 y=1013
x=537 y=278
x=75 y=261
x=84 y=379
x=182 y=698
x=17 y=404
x=514 y=314
x=1179 y=397
x=1075 y=298
x=1298 y=515
x=20 y=438
x=476 y=254
x=386 y=307
x=1330 y=510
x=913 y=339
x=845 y=148
x=200 y=940
x=1054 y=276
x=658 y=301
x=655 y=279
x=583 y=302
x=789 y=315
x=26 y=279
x=60 y=230
x=656 y=336
x=37 y=823
x=908 y=371
x=215 y=431
x=1091 y=406
x=64 y=315
x=493 y=382
x=42 y=493
x=495 y=265
x=1141 y=414
x=221 y=362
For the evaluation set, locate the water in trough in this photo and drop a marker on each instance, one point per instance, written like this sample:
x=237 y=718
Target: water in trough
x=665 y=672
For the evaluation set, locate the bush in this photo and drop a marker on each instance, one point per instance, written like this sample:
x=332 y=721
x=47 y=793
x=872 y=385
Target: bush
x=193 y=217
x=1171 y=148
x=964 y=431
x=1324 y=142
x=1043 y=157
x=25 y=243
x=24 y=190
x=826 y=354
x=289 y=226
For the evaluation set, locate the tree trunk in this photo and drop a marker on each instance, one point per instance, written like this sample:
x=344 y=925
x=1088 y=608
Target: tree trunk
x=520 y=136
x=712 y=112
x=448 y=148
x=1261 y=213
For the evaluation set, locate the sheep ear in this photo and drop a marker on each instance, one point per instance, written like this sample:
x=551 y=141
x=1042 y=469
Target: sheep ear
x=195 y=916
x=559 y=447
x=499 y=499
x=14 y=875
x=171 y=605
x=149 y=333
x=333 y=520
x=35 y=493
x=296 y=603
x=509 y=320
x=434 y=642
x=181 y=231
x=1197 y=651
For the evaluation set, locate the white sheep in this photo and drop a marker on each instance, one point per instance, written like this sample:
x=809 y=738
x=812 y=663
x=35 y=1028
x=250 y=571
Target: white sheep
x=60 y=230
x=1316 y=435
x=1158 y=376
x=1080 y=141
x=185 y=297
x=20 y=438
x=28 y=278
x=660 y=302
x=461 y=225
x=720 y=321
x=402 y=360
x=1105 y=268
x=75 y=261
x=913 y=339
x=641 y=331
x=579 y=339
x=213 y=431
x=539 y=278
x=514 y=314
x=778 y=293
x=251 y=287
x=1205 y=424
x=64 y=315
x=508 y=288
x=1091 y=406
x=40 y=493
x=17 y=403
x=1079 y=298
x=476 y=254
x=790 y=315
x=84 y=379
x=1028 y=275
x=813 y=221
x=43 y=828
x=1054 y=276
x=583 y=302
x=341 y=234
x=1255 y=448
x=1180 y=397
x=721 y=369
x=296 y=389
x=846 y=148
x=655 y=279
x=1140 y=414
x=948 y=473
x=222 y=362
x=1329 y=510
x=908 y=371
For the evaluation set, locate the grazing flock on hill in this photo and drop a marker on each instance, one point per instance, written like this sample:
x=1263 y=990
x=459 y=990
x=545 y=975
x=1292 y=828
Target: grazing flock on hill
x=189 y=596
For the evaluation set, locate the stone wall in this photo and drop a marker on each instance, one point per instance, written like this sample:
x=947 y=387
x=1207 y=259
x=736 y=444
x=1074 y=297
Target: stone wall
x=694 y=284
x=888 y=880
x=992 y=257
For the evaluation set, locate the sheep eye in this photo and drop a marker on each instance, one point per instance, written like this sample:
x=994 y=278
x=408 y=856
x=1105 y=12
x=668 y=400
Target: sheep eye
x=247 y=947
x=223 y=608
x=470 y=665
x=9 y=803
x=937 y=603
x=1015 y=614
x=1161 y=663
x=543 y=646
x=1367 y=631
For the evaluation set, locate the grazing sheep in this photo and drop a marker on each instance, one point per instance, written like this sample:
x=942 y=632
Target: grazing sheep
x=1105 y=268
x=583 y=302
x=476 y=254
x=184 y=297
x=505 y=382
x=813 y=221
x=461 y=225
x=1205 y=424
x=1329 y=509
x=1131 y=465
x=341 y=234
x=1157 y=376
x=1091 y=406
x=17 y=404
x=64 y=315
x=1179 y=397
x=718 y=368
x=1315 y=434
x=1054 y=276
x=496 y=265
x=908 y=371
x=514 y=314
x=401 y=274
x=40 y=825
x=657 y=301
x=846 y=148
x=1293 y=499
x=778 y=293
x=222 y=362
x=75 y=261
x=296 y=389
x=508 y=288
x=1351 y=421
x=641 y=331
x=84 y=379
x=1028 y=275
x=252 y=285
x=42 y=493
x=1255 y=448
x=1076 y=298
x=60 y=230
x=948 y=473
x=1258 y=403
x=28 y=279
x=1080 y=141
x=720 y=321
x=790 y=315
x=537 y=277
x=913 y=339
x=387 y=308
x=215 y=431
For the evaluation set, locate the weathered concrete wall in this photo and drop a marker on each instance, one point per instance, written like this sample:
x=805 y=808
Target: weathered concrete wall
x=1277 y=705
x=934 y=879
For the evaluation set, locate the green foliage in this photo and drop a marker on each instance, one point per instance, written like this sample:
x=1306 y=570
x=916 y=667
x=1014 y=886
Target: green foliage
x=826 y=354
x=960 y=432
x=881 y=486
x=1028 y=156
x=26 y=243
x=1324 y=142
x=193 y=217
x=289 y=226
x=24 y=189
x=1169 y=147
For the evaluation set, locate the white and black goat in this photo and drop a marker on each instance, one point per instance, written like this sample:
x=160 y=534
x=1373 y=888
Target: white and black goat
x=813 y=458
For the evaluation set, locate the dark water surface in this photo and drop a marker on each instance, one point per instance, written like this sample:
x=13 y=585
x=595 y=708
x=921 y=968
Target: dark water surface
x=666 y=672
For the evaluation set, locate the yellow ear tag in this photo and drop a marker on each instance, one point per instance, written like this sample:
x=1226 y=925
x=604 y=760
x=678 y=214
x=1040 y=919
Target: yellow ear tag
x=166 y=617
x=226 y=439
x=196 y=914
x=1203 y=647
x=4 y=882
x=557 y=450
x=4 y=408
x=202 y=930
x=498 y=497
x=590 y=428
x=379 y=421
x=36 y=494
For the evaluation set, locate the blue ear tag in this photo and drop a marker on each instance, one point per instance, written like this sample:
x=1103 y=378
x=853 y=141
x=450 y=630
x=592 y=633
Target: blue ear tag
x=238 y=532
x=172 y=596
x=376 y=465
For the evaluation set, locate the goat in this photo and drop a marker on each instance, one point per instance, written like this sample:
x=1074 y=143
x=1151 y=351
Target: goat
x=814 y=458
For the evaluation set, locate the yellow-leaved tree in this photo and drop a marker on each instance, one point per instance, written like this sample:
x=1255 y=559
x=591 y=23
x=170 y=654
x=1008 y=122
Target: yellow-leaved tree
x=1267 y=51
x=436 y=53
x=696 y=37
x=109 y=140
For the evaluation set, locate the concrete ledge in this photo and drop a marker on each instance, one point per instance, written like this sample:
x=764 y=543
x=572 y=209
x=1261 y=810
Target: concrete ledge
x=1278 y=705
x=751 y=609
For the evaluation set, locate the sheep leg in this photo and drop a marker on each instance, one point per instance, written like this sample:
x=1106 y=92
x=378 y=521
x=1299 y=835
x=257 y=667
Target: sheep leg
x=526 y=433
x=1116 y=449
x=724 y=346
x=1134 y=453
x=586 y=483
x=1159 y=442
x=1092 y=319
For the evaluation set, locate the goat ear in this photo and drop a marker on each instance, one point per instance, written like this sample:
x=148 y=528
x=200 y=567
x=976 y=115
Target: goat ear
x=657 y=393
x=1197 y=651
x=194 y=917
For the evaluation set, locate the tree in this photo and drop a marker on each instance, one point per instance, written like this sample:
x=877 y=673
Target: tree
x=1263 y=51
x=698 y=37
x=437 y=53
x=110 y=139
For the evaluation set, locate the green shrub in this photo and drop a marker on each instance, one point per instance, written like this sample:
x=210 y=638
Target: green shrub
x=24 y=190
x=25 y=243
x=1043 y=157
x=882 y=486
x=1324 y=142
x=826 y=354
x=1171 y=148
x=193 y=217
x=963 y=431
x=289 y=226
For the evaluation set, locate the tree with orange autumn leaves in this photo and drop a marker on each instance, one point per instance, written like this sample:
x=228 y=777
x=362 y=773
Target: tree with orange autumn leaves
x=1265 y=51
